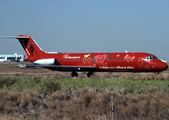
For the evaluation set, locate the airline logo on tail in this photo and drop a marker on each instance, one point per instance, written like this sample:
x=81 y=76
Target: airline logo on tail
x=32 y=48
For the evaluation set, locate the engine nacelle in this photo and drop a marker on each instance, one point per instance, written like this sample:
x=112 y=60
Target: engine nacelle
x=49 y=61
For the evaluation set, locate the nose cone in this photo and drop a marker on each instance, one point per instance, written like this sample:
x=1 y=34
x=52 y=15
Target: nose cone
x=161 y=66
x=165 y=66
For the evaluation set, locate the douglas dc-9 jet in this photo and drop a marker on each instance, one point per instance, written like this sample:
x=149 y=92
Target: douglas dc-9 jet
x=90 y=62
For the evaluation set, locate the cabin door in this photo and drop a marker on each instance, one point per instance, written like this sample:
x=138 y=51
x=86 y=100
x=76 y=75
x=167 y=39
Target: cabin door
x=140 y=61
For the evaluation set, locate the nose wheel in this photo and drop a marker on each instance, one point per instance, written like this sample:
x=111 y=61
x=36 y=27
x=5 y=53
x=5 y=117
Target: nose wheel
x=74 y=74
x=155 y=73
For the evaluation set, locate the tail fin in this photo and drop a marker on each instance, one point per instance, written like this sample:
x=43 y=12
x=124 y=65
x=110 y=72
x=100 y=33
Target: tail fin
x=29 y=45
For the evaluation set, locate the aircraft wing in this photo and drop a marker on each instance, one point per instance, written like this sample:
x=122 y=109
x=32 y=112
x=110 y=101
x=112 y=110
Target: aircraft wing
x=57 y=67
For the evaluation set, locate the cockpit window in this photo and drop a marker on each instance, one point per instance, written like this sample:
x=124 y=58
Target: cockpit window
x=155 y=58
x=151 y=58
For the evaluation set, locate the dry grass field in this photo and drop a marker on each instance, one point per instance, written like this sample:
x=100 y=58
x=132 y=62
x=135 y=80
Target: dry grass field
x=89 y=103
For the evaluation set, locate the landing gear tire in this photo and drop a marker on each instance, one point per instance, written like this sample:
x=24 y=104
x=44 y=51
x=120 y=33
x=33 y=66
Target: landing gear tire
x=90 y=74
x=74 y=74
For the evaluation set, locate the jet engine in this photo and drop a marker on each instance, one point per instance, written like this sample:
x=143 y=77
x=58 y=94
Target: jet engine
x=49 y=61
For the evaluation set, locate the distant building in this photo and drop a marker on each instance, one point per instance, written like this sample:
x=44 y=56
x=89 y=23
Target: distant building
x=13 y=57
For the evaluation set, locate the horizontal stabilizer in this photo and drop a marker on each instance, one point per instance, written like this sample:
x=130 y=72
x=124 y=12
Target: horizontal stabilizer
x=7 y=36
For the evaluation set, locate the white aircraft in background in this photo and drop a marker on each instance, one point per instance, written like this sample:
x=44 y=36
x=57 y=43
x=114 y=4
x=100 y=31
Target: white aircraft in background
x=4 y=60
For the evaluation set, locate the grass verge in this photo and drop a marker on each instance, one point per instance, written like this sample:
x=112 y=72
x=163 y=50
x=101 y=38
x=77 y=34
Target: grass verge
x=75 y=85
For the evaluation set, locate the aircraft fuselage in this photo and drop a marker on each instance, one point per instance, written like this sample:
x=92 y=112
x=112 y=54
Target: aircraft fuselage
x=106 y=62
x=91 y=62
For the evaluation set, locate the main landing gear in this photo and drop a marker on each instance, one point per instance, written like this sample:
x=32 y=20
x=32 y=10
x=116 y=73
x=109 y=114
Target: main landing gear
x=74 y=74
x=90 y=74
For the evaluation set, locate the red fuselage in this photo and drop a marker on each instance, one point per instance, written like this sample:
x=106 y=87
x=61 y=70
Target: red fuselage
x=107 y=62
x=91 y=62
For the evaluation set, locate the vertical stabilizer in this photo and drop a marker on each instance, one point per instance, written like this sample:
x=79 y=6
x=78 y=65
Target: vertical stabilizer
x=29 y=45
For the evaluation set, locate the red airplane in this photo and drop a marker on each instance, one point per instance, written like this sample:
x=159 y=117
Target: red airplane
x=90 y=62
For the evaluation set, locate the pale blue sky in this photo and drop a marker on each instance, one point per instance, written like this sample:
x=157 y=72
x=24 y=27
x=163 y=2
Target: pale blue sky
x=87 y=25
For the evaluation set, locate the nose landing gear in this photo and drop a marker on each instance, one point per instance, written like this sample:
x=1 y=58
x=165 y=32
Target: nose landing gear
x=155 y=73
